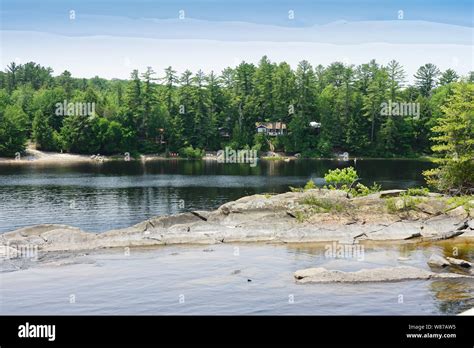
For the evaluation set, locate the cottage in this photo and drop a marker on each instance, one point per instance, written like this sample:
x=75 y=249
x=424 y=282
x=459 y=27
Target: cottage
x=271 y=128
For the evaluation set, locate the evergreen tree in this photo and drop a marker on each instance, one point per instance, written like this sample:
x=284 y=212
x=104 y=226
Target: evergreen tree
x=454 y=142
x=448 y=77
x=43 y=133
x=426 y=78
x=13 y=130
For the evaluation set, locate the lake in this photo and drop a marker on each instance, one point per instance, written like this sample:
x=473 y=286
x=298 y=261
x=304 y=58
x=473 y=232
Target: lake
x=194 y=279
x=184 y=279
x=103 y=196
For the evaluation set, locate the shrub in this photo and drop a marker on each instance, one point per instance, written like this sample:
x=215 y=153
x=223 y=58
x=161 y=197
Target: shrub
x=191 y=153
x=362 y=190
x=337 y=178
x=342 y=180
x=323 y=205
x=309 y=185
x=401 y=204
x=458 y=201
x=422 y=191
x=300 y=216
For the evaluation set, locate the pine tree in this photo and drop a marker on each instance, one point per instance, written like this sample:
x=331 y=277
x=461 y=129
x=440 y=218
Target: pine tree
x=43 y=133
x=396 y=77
x=426 y=78
x=448 y=77
x=148 y=100
x=454 y=142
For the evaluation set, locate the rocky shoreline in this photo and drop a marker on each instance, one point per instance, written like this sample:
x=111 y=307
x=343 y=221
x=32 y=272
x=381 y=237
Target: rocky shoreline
x=316 y=215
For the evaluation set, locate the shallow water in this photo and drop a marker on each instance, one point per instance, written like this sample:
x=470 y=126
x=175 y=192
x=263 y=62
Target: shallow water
x=215 y=280
x=99 y=197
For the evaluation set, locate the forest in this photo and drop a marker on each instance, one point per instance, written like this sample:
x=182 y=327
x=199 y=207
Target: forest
x=191 y=113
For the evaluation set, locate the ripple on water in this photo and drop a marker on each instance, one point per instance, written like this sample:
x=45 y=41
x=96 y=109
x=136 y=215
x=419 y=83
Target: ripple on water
x=153 y=280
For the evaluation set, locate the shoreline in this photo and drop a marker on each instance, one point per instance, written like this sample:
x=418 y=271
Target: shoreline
x=34 y=156
x=312 y=216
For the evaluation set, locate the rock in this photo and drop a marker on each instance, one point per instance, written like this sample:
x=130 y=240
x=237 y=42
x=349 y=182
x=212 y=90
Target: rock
x=434 y=194
x=470 y=224
x=414 y=235
x=67 y=236
x=437 y=261
x=459 y=262
x=387 y=274
x=400 y=204
x=167 y=221
x=458 y=212
x=259 y=218
x=443 y=236
x=7 y=252
x=432 y=207
x=390 y=193
x=202 y=214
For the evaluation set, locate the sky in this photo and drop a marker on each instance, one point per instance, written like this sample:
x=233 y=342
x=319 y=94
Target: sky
x=21 y=14
x=110 y=38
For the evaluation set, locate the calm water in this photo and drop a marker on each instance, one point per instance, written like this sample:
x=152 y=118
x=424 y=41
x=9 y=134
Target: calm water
x=214 y=280
x=208 y=279
x=99 y=197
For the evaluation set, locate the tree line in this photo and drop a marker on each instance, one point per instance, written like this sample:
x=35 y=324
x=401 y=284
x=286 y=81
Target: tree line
x=192 y=112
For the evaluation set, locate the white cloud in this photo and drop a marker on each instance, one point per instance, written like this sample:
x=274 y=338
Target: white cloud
x=411 y=43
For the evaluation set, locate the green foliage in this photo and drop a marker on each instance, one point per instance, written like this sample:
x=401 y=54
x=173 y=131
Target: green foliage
x=339 y=177
x=458 y=201
x=309 y=185
x=13 y=130
x=261 y=142
x=152 y=114
x=404 y=203
x=44 y=135
x=422 y=191
x=296 y=189
x=191 y=153
x=426 y=77
x=323 y=205
x=344 y=179
x=454 y=142
x=300 y=216
x=362 y=190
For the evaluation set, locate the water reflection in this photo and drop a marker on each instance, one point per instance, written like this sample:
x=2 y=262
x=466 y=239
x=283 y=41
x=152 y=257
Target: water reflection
x=150 y=280
x=117 y=194
x=453 y=296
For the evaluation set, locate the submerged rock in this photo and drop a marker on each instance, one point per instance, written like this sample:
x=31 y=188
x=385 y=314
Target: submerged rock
x=438 y=261
x=459 y=262
x=388 y=274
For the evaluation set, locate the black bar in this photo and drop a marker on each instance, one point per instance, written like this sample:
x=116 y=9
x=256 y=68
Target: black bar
x=242 y=330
